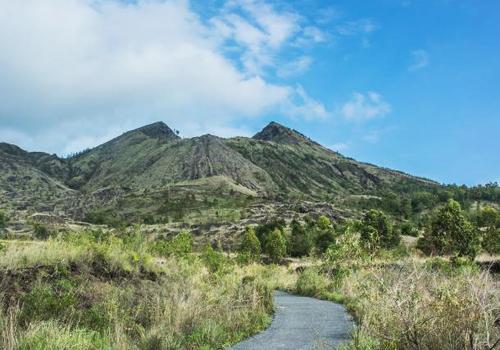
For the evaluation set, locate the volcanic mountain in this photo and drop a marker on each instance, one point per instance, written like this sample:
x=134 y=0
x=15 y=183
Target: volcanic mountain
x=153 y=161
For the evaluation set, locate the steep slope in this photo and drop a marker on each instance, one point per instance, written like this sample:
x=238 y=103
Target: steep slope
x=153 y=157
x=31 y=179
x=150 y=170
x=303 y=168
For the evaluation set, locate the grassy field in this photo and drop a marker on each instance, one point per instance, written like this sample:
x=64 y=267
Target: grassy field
x=102 y=290
x=98 y=291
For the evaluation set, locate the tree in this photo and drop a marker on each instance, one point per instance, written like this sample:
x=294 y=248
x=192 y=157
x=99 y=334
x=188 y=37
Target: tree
x=250 y=245
x=324 y=234
x=377 y=231
x=300 y=241
x=276 y=245
x=3 y=220
x=40 y=231
x=489 y=221
x=450 y=233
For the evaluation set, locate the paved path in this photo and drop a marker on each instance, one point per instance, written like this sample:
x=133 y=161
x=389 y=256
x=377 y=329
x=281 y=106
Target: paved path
x=302 y=323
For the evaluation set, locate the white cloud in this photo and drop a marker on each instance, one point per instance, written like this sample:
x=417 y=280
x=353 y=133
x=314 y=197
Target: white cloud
x=260 y=34
x=295 y=67
x=87 y=67
x=361 y=107
x=305 y=107
x=420 y=59
x=361 y=26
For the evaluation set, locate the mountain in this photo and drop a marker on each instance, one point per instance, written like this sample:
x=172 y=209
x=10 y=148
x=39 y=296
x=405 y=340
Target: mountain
x=152 y=171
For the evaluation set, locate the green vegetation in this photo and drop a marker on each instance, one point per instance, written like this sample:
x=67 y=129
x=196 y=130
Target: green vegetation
x=95 y=290
x=275 y=245
x=3 y=220
x=250 y=246
x=451 y=233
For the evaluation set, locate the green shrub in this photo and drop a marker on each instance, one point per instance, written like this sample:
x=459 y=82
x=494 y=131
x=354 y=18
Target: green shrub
x=41 y=231
x=377 y=232
x=250 y=245
x=215 y=261
x=450 y=233
x=324 y=233
x=312 y=283
x=3 y=220
x=276 y=245
x=180 y=245
x=408 y=229
x=301 y=242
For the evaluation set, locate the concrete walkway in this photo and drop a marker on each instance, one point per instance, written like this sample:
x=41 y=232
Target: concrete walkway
x=302 y=323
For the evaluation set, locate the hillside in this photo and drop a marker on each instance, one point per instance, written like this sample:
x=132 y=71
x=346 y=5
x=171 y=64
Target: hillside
x=151 y=172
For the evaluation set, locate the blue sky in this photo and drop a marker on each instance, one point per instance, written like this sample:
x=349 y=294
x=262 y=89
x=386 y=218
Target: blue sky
x=410 y=85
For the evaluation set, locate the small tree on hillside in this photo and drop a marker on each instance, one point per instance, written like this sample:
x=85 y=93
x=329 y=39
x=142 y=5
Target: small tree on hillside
x=276 y=245
x=377 y=231
x=489 y=221
x=450 y=233
x=250 y=245
x=3 y=220
x=324 y=234
x=300 y=241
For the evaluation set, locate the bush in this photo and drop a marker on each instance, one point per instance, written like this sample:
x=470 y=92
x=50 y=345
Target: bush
x=215 y=261
x=301 y=241
x=450 y=233
x=408 y=229
x=324 y=234
x=312 y=283
x=377 y=232
x=275 y=245
x=3 y=220
x=180 y=245
x=41 y=231
x=250 y=245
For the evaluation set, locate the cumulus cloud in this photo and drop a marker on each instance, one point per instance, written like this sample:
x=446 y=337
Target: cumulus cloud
x=305 y=107
x=295 y=67
x=362 y=107
x=97 y=68
x=420 y=59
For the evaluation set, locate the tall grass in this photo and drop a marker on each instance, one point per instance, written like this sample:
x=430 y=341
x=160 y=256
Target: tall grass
x=93 y=292
x=415 y=306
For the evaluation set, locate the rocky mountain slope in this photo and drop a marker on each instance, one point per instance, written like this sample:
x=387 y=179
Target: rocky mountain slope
x=152 y=171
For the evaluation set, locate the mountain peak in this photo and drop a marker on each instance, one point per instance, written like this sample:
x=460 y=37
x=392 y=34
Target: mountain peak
x=158 y=130
x=280 y=134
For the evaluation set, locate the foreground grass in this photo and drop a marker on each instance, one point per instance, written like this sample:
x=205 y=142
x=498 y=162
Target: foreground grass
x=414 y=305
x=93 y=292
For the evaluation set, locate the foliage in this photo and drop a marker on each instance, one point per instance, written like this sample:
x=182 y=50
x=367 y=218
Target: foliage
x=346 y=249
x=215 y=261
x=41 y=231
x=407 y=228
x=3 y=220
x=450 y=233
x=63 y=295
x=489 y=221
x=301 y=242
x=180 y=245
x=275 y=245
x=324 y=234
x=312 y=283
x=250 y=246
x=377 y=232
